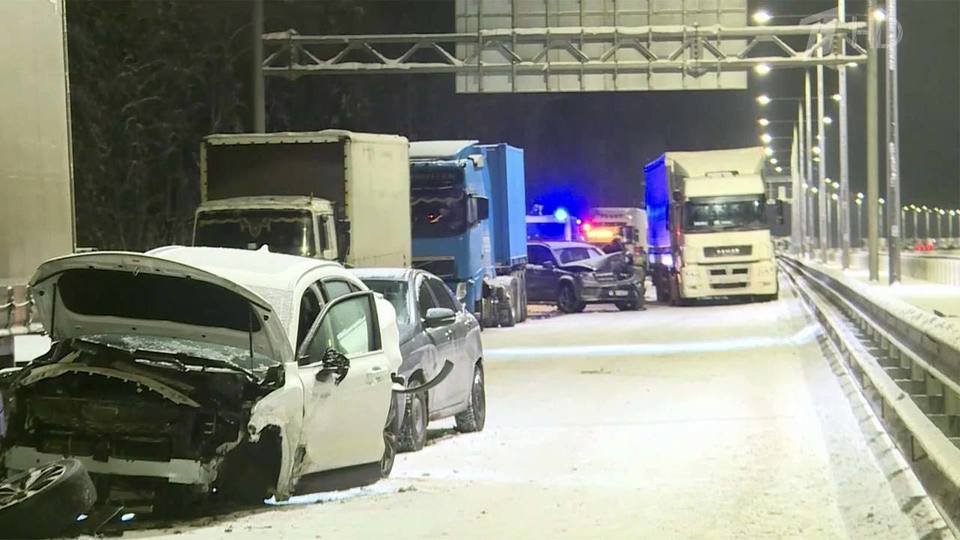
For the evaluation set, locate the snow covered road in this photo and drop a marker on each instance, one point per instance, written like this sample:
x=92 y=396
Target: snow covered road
x=702 y=422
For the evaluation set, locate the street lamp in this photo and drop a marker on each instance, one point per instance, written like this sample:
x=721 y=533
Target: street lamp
x=763 y=99
x=940 y=213
x=778 y=169
x=882 y=216
x=762 y=16
x=827 y=120
x=916 y=232
x=763 y=122
x=879 y=15
x=768 y=151
x=766 y=138
x=774 y=161
x=836 y=97
x=926 y=222
x=762 y=69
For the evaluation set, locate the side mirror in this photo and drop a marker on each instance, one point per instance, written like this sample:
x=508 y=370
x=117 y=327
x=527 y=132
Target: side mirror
x=677 y=195
x=334 y=364
x=549 y=265
x=438 y=316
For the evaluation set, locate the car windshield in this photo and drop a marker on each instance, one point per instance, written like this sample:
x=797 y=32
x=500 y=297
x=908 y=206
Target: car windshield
x=395 y=291
x=187 y=351
x=438 y=212
x=283 y=231
x=705 y=214
x=574 y=254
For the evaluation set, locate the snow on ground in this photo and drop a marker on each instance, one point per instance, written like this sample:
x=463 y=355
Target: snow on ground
x=704 y=422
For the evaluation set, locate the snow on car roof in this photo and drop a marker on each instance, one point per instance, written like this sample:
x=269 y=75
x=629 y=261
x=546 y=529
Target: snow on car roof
x=395 y=274
x=563 y=245
x=251 y=268
x=438 y=149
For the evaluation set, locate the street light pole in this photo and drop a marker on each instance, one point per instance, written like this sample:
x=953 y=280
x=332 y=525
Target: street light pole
x=808 y=145
x=844 y=208
x=821 y=143
x=893 y=142
x=804 y=179
x=873 y=165
x=259 y=105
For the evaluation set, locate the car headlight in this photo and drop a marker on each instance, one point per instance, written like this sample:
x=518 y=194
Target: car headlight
x=588 y=278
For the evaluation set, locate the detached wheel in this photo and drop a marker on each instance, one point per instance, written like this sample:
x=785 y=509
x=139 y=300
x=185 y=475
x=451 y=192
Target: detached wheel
x=567 y=300
x=390 y=443
x=413 y=434
x=475 y=416
x=45 y=501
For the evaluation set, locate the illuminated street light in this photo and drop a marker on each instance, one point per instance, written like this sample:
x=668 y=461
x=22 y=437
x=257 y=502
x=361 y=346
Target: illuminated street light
x=762 y=16
x=763 y=122
x=768 y=151
x=763 y=99
x=852 y=64
x=827 y=120
x=773 y=161
x=879 y=15
x=814 y=190
x=816 y=150
x=836 y=97
x=778 y=169
x=766 y=138
x=762 y=69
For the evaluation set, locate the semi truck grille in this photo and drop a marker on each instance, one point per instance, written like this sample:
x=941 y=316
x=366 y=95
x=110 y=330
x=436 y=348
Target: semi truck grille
x=728 y=285
x=727 y=251
x=442 y=268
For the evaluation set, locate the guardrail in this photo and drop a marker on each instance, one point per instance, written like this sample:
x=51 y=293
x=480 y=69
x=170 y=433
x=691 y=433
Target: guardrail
x=914 y=390
x=17 y=312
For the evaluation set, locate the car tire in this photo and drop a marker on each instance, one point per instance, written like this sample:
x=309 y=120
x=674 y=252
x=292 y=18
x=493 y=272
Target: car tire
x=389 y=440
x=413 y=433
x=474 y=418
x=567 y=300
x=45 y=501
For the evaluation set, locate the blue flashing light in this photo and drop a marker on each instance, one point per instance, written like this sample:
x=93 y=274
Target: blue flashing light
x=561 y=214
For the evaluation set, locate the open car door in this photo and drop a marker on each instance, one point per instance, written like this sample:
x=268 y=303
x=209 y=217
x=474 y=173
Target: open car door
x=347 y=386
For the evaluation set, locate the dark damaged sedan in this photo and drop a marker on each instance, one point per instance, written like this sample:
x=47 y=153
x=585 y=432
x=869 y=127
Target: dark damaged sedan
x=574 y=274
x=434 y=328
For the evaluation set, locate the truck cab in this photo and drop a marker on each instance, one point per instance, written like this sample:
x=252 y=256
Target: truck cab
x=294 y=225
x=708 y=230
x=456 y=235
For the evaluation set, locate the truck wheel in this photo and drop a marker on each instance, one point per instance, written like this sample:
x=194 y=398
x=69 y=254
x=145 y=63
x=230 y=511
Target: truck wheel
x=506 y=304
x=45 y=501
x=567 y=300
x=475 y=416
x=413 y=434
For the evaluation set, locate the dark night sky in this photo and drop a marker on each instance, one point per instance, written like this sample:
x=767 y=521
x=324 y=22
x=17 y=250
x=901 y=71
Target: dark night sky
x=589 y=149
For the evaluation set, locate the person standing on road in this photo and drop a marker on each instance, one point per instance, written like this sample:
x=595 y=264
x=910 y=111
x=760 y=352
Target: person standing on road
x=615 y=246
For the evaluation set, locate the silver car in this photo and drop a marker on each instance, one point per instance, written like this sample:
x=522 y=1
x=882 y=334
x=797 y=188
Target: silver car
x=434 y=328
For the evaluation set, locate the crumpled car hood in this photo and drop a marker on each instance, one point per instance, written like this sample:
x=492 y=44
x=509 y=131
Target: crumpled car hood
x=153 y=284
x=611 y=262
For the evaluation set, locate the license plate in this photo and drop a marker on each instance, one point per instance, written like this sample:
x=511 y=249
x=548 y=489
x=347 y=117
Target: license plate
x=621 y=293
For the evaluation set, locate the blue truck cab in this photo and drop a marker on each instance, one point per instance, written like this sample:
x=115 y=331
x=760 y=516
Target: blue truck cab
x=467 y=207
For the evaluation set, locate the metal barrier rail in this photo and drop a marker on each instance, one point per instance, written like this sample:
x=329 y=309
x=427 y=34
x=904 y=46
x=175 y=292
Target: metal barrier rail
x=17 y=312
x=918 y=403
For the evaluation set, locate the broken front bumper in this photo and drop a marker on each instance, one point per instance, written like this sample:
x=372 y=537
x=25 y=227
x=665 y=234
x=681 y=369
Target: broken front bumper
x=175 y=471
x=622 y=291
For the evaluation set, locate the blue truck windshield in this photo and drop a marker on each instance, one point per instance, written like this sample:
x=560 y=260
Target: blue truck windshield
x=283 y=231
x=710 y=214
x=438 y=211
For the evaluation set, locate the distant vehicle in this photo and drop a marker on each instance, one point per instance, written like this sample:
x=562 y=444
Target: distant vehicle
x=328 y=194
x=629 y=224
x=550 y=228
x=187 y=371
x=434 y=327
x=467 y=203
x=707 y=226
x=574 y=274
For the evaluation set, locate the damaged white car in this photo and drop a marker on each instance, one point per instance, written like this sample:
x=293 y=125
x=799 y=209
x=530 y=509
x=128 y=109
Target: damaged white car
x=189 y=371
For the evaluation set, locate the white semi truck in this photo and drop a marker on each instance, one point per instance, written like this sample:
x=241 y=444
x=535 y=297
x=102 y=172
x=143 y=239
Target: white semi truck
x=707 y=227
x=329 y=194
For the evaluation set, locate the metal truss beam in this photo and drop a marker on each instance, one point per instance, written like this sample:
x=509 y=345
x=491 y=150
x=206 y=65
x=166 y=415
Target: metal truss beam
x=692 y=50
